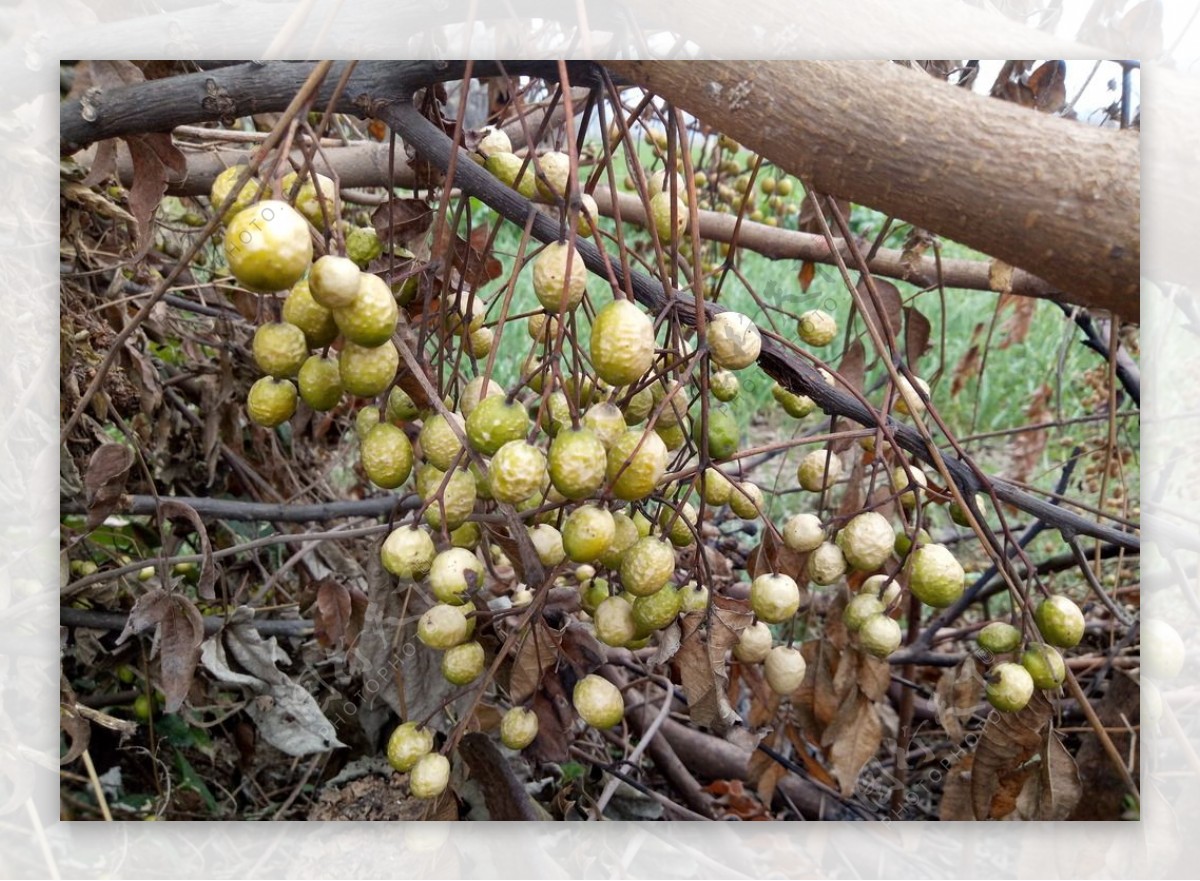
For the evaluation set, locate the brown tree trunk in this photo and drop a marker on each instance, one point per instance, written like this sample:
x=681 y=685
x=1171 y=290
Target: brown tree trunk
x=1055 y=197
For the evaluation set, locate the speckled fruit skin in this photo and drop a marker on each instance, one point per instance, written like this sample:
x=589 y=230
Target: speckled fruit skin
x=430 y=776
x=784 y=668
x=271 y=401
x=367 y=372
x=606 y=420
x=279 y=349
x=1045 y=665
x=462 y=664
x=819 y=470
x=474 y=392
x=334 y=281
x=733 y=340
x=677 y=523
x=614 y=622
x=745 y=499
x=625 y=536
x=999 y=637
x=320 y=382
x=407 y=743
x=647 y=566
x=724 y=385
x=550 y=274
x=371 y=319
x=817 y=328
x=587 y=533
x=516 y=472
x=440 y=444
x=518 y=728
x=598 y=702
x=223 y=185
x=268 y=246
x=387 y=456
x=1009 y=687
x=637 y=461
x=774 y=598
x=300 y=309
x=907 y=399
x=622 y=343
x=578 y=463
x=867 y=541
x=826 y=564
x=803 y=532
x=407 y=552
x=494 y=422
x=754 y=643
x=879 y=636
x=457 y=500
x=656 y=611
x=442 y=627
x=452 y=572
x=935 y=577
x=1060 y=621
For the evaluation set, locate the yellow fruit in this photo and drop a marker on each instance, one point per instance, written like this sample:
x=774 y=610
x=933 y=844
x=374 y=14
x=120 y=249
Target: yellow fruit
x=506 y=166
x=367 y=372
x=578 y=463
x=474 y=392
x=804 y=532
x=387 y=456
x=457 y=500
x=908 y=401
x=363 y=246
x=542 y=327
x=678 y=523
x=494 y=140
x=1045 y=665
x=442 y=627
x=745 y=499
x=614 y=622
x=317 y=209
x=817 y=328
x=606 y=421
x=267 y=246
x=694 y=597
x=439 y=441
x=733 y=340
x=656 y=611
x=715 y=487
x=900 y=482
x=866 y=541
x=430 y=776
x=223 y=185
x=516 y=472
x=1163 y=651
x=407 y=744
x=622 y=343
x=935 y=577
x=553 y=280
x=754 y=643
x=647 y=566
x=587 y=533
x=672 y=435
x=407 y=552
x=1060 y=622
x=999 y=637
x=371 y=319
x=280 y=349
x=826 y=564
x=462 y=664
x=589 y=213
x=861 y=607
x=638 y=407
x=879 y=635
x=480 y=342
x=494 y=422
x=661 y=207
x=518 y=728
x=819 y=470
x=366 y=419
x=271 y=401
x=724 y=385
x=625 y=535
x=883 y=587
x=784 y=668
x=300 y=309
x=555 y=174
x=636 y=463
x=454 y=571
x=1009 y=687
x=598 y=702
x=334 y=281
x=547 y=541
x=774 y=598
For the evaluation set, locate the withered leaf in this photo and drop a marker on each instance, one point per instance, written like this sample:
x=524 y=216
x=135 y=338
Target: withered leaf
x=1025 y=449
x=536 y=654
x=1048 y=83
x=916 y=335
x=773 y=557
x=208 y=573
x=888 y=315
x=1008 y=742
x=856 y=736
x=956 y=791
x=331 y=612
x=808 y=271
x=180 y=630
x=853 y=365
x=402 y=221
x=104 y=482
x=968 y=365
x=1016 y=328
x=959 y=691
x=476 y=267
x=77 y=730
x=1053 y=792
x=701 y=658
x=874 y=675
x=553 y=711
x=152 y=155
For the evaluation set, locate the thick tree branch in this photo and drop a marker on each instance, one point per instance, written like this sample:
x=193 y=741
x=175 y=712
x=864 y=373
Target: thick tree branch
x=236 y=509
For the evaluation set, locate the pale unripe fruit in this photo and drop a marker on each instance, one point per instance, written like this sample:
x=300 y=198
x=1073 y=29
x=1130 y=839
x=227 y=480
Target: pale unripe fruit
x=647 y=566
x=656 y=611
x=578 y=463
x=784 y=669
x=637 y=461
x=1163 y=651
x=622 y=343
x=223 y=185
x=516 y=472
x=678 y=523
x=387 y=456
x=494 y=422
x=1045 y=665
x=867 y=541
x=861 y=607
x=796 y=406
x=555 y=168
x=723 y=433
x=300 y=309
x=474 y=392
x=881 y=587
x=279 y=349
x=370 y=320
x=463 y=664
x=694 y=598
x=481 y=342
x=625 y=535
x=522 y=596
x=999 y=637
x=639 y=406
x=907 y=400
x=606 y=421
x=547 y=541
x=754 y=643
x=745 y=499
x=465 y=536
x=658 y=183
x=1009 y=687
x=661 y=207
x=494 y=140
x=774 y=598
x=455 y=570
x=803 y=533
x=363 y=246
x=457 y=500
x=268 y=246
x=430 y=776
x=408 y=552
x=442 y=627
x=587 y=533
x=1060 y=621
x=613 y=620
x=518 y=728
x=542 y=327
x=551 y=273
x=440 y=444
x=506 y=166
x=733 y=340
x=407 y=744
x=589 y=213
x=715 y=487
x=674 y=410
x=724 y=385
x=819 y=470
x=333 y=281
x=879 y=636
x=935 y=577
x=598 y=702
x=314 y=207
x=320 y=383
x=366 y=372
x=826 y=564
x=900 y=480
x=271 y=401
x=817 y=328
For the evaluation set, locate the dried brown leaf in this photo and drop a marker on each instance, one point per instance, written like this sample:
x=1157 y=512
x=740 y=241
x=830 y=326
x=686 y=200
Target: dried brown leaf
x=1049 y=86
x=554 y=715
x=76 y=729
x=701 y=659
x=104 y=482
x=476 y=267
x=853 y=366
x=402 y=221
x=1054 y=791
x=916 y=335
x=331 y=612
x=968 y=365
x=772 y=556
x=208 y=573
x=888 y=315
x=152 y=155
x=180 y=630
x=534 y=657
x=1025 y=450
x=959 y=691
x=1016 y=328
x=956 y=792
x=856 y=738
x=874 y=676
x=808 y=271
x=1001 y=767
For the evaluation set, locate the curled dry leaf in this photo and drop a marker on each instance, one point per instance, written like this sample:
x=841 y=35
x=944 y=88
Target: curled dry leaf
x=701 y=658
x=959 y=691
x=180 y=629
x=208 y=573
x=1001 y=766
x=886 y=316
x=104 y=482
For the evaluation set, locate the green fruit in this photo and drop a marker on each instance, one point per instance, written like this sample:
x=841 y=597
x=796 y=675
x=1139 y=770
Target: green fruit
x=400 y=407
x=662 y=207
x=694 y=597
x=334 y=282
x=959 y=516
x=457 y=500
x=578 y=463
x=387 y=456
x=754 y=643
x=817 y=328
x=592 y=593
x=518 y=728
x=722 y=434
x=935 y=577
x=494 y=422
x=636 y=463
x=715 y=487
x=555 y=174
x=826 y=564
x=364 y=420
x=267 y=246
x=474 y=392
x=678 y=523
x=819 y=470
x=647 y=566
x=516 y=472
x=861 y=607
x=271 y=401
x=407 y=552
x=625 y=536
x=463 y=664
x=656 y=611
x=784 y=668
x=367 y=372
x=879 y=635
x=317 y=209
x=587 y=533
x=774 y=598
x=465 y=536
x=143 y=707
x=901 y=484
x=745 y=499
x=430 y=776
x=598 y=702
x=371 y=319
x=407 y=744
x=363 y=245
x=279 y=349
x=724 y=385
x=559 y=285
x=442 y=627
x=866 y=541
x=622 y=344
x=904 y=542
x=547 y=541
x=223 y=185
x=440 y=444
x=639 y=406
x=796 y=406
x=1045 y=665
x=999 y=637
x=614 y=622
x=453 y=573
x=672 y=435
x=733 y=340
x=316 y=322
x=1009 y=687
x=803 y=533
x=1060 y=621
x=320 y=383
